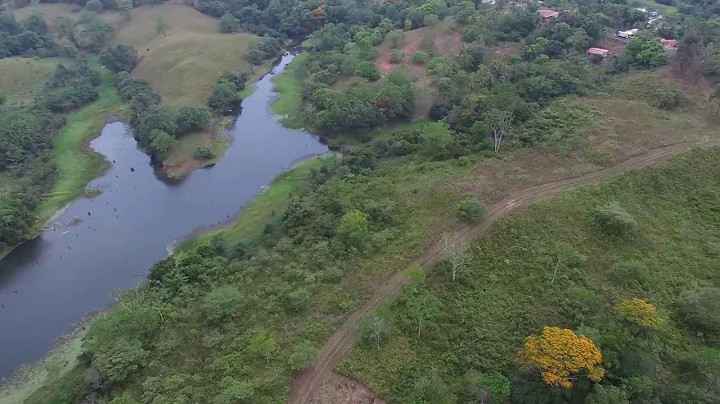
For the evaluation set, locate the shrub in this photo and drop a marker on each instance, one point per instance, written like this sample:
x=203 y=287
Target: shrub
x=397 y=56
x=368 y=70
x=668 y=99
x=420 y=57
x=701 y=309
x=470 y=209
x=614 y=220
x=120 y=358
x=191 y=118
x=204 y=153
x=221 y=304
x=302 y=355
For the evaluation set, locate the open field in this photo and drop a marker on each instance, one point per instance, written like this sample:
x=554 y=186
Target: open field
x=77 y=163
x=19 y=77
x=506 y=293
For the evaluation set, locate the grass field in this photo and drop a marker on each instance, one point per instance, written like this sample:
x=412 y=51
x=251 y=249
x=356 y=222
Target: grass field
x=19 y=77
x=288 y=104
x=508 y=289
x=265 y=208
x=77 y=163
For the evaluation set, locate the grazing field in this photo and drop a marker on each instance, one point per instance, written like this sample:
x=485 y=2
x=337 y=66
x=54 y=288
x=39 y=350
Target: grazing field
x=288 y=104
x=184 y=67
x=20 y=76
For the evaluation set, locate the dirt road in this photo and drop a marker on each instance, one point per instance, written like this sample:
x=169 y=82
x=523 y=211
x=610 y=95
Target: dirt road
x=342 y=340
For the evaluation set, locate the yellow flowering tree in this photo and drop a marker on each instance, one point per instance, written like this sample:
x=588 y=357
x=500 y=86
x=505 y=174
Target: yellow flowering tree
x=640 y=312
x=560 y=356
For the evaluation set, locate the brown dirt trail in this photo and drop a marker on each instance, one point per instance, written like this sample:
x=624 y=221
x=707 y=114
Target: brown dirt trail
x=342 y=340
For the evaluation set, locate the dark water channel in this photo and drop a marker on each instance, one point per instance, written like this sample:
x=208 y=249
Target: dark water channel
x=50 y=283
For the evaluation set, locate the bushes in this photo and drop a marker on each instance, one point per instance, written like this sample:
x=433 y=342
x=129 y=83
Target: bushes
x=190 y=119
x=222 y=304
x=397 y=56
x=367 y=70
x=668 y=99
x=122 y=58
x=119 y=359
x=224 y=97
x=614 y=220
x=701 y=309
x=204 y=153
x=420 y=58
x=470 y=209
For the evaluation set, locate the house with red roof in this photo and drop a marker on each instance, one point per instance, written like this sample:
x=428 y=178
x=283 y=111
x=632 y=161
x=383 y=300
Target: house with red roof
x=546 y=15
x=598 y=52
x=669 y=44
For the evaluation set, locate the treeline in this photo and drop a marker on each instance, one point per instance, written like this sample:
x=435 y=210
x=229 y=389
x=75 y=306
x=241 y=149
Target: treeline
x=30 y=38
x=26 y=136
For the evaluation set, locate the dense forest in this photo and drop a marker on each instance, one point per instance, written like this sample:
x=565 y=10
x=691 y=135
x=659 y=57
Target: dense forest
x=230 y=322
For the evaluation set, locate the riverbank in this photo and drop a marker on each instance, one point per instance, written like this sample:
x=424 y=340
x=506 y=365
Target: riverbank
x=77 y=163
x=288 y=103
x=265 y=208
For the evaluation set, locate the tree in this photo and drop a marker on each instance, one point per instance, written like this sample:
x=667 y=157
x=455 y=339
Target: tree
x=436 y=138
x=228 y=24
x=125 y=6
x=204 y=153
x=94 y=5
x=90 y=32
x=161 y=25
x=607 y=395
x=420 y=58
x=119 y=358
x=646 y=51
x=224 y=98
x=122 y=58
x=353 y=229
x=422 y=306
x=302 y=355
x=222 y=304
x=560 y=355
x=191 y=118
x=124 y=398
x=701 y=309
x=36 y=23
x=485 y=388
x=161 y=144
x=157 y=117
x=374 y=328
x=367 y=70
x=499 y=122
x=263 y=344
x=470 y=209
x=457 y=254
x=614 y=220
x=640 y=312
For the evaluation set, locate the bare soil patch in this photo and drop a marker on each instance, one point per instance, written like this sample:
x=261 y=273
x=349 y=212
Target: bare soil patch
x=338 y=389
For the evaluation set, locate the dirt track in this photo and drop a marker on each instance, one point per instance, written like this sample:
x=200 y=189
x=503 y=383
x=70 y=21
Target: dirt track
x=341 y=341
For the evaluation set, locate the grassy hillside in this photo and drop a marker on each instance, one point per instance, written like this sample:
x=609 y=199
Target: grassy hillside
x=514 y=284
x=20 y=76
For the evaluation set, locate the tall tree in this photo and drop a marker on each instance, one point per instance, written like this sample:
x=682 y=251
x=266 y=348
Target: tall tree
x=499 y=122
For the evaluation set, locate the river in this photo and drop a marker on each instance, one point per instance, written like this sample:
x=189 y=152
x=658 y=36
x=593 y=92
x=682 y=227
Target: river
x=48 y=284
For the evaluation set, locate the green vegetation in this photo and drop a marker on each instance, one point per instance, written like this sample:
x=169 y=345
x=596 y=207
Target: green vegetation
x=564 y=288
x=552 y=264
x=20 y=78
x=264 y=208
x=78 y=164
x=288 y=103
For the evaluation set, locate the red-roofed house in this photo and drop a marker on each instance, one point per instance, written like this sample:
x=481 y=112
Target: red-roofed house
x=670 y=44
x=598 y=52
x=546 y=15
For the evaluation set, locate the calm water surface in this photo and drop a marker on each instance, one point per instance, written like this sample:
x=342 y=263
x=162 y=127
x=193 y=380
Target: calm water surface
x=50 y=283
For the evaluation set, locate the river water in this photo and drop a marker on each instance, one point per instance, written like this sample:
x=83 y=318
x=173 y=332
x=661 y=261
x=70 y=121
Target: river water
x=48 y=284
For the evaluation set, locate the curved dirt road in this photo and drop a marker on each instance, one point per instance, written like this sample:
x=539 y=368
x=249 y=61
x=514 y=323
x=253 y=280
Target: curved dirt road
x=335 y=348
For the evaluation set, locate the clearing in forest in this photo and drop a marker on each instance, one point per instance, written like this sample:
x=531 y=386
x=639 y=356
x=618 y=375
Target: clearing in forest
x=19 y=77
